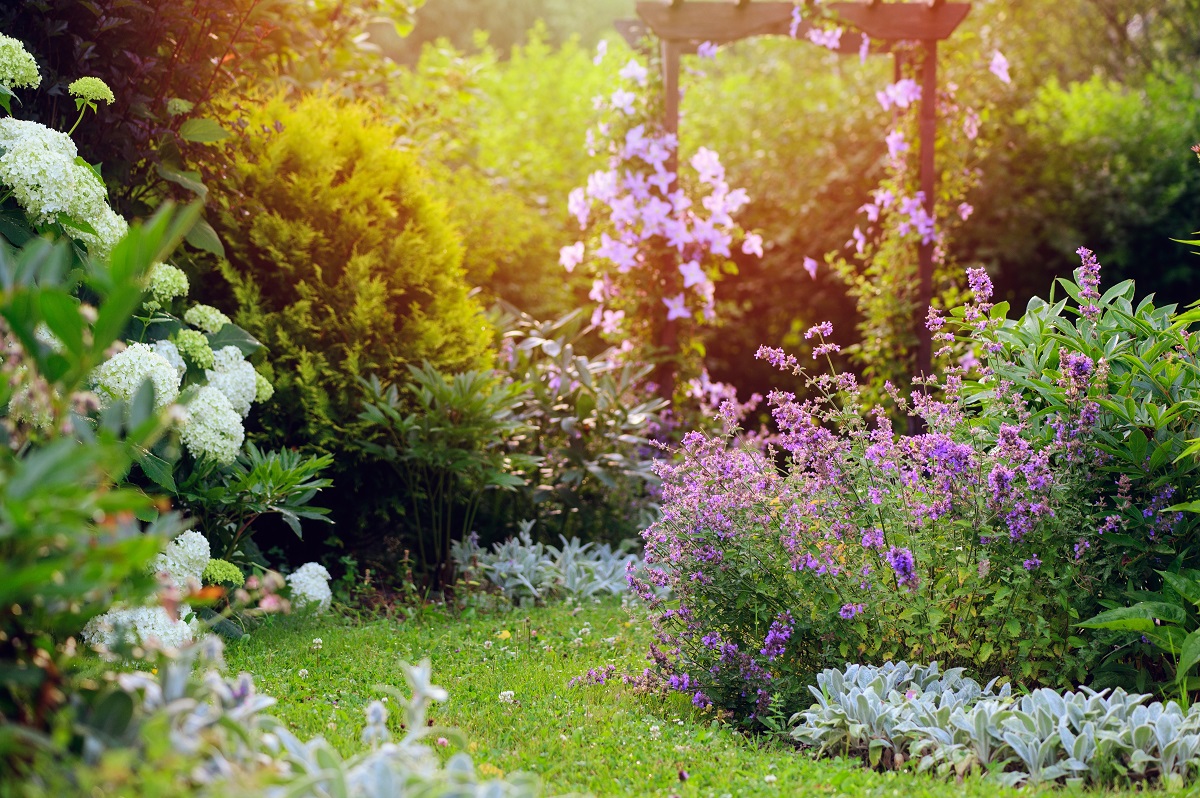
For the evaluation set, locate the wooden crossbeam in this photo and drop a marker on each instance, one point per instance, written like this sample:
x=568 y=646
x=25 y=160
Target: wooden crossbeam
x=728 y=22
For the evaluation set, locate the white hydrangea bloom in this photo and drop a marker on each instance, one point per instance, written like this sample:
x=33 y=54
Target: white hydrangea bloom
x=170 y=353
x=166 y=282
x=42 y=333
x=17 y=67
x=119 y=377
x=234 y=377
x=139 y=625
x=213 y=429
x=206 y=317
x=110 y=228
x=310 y=584
x=185 y=559
x=38 y=164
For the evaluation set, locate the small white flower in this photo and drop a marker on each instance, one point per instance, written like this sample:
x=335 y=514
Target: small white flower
x=303 y=673
x=769 y=778
x=317 y=644
x=508 y=697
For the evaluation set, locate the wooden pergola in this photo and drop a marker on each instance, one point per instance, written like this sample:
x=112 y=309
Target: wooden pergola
x=682 y=27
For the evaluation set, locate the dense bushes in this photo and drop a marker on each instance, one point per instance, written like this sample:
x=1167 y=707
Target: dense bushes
x=341 y=263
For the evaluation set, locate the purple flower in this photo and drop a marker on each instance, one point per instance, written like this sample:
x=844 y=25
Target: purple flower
x=777 y=636
x=1032 y=563
x=1088 y=277
x=824 y=329
x=902 y=563
x=707 y=50
x=701 y=700
x=848 y=611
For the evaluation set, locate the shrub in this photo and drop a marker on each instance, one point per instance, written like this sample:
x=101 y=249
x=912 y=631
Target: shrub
x=590 y=419
x=72 y=539
x=845 y=540
x=340 y=262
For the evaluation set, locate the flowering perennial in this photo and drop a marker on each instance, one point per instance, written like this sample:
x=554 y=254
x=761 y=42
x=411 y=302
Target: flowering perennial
x=17 y=67
x=119 y=377
x=310 y=585
x=214 y=428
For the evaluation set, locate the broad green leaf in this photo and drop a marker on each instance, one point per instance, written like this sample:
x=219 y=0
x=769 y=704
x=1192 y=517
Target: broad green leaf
x=1189 y=653
x=203 y=236
x=233 y=335
x=203 y=131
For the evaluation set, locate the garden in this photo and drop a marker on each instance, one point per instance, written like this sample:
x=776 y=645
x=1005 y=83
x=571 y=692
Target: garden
x=693 y=398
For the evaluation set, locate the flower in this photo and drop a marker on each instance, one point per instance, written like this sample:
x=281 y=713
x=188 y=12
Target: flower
x=206 y=317
x=508 y=697
x=707 y=50
x=302 y=673
x=222 y=572
x=310 y=584
x=831 y=39
x=118 y=378
x=39 y=166
x=753 y=245
x=185 y=559
x=166 y=282
x=693 y=274
x=17 y=67
x=263 y=389
x=999 y=67
x=572 y=256
x=677 y=307
x=635 y=72
x=214 y=428
x=91 y=90
x=193 y=347
x=234 y=377
x=317 y=644
x=902 y=563
x=810 y=266
x=138 y=625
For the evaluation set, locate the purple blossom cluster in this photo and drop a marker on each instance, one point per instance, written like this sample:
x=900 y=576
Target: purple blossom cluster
x=841 y=516
x=642 y=213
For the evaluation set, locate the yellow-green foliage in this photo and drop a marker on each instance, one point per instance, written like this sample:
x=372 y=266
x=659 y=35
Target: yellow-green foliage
x=222 y=572
x=340 y=261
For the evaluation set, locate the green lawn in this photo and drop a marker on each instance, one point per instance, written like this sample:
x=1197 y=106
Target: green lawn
x=603 y=740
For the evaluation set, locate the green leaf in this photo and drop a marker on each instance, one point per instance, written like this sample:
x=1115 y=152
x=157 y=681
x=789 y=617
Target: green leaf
x=233 y=335
x=157 y=470
x=203 y=236
x=61 y=313
x=189 y=180
x=1138 y=618
x=203 y=131
x=1189 y=653
x=1185 y=587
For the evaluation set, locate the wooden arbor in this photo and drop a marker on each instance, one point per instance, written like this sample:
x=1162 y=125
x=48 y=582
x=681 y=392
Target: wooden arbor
x=683 y=26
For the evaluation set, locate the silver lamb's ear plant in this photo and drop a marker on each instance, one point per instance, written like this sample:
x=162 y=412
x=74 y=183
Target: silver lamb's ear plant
x=529 y=571
x=947 y=723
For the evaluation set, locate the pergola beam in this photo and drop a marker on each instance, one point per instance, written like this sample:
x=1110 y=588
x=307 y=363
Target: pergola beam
x=728 y=22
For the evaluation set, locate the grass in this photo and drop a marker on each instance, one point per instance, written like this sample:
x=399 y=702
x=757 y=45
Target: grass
x=597 y=739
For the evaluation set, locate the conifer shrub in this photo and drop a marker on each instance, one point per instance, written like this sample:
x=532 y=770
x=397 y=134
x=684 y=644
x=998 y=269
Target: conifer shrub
x=340 y=262
x=343 y=265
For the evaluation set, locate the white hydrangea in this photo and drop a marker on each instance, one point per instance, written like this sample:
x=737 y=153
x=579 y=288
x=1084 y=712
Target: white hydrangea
x=17 y=67
x=310 y=584
x=166 y=282
x=234 y=377
x=206 y=317
x=214 y=428
x=170 y=353
x=42 y=334
x=119 y=377
x=140 y=626
x=110 y=228
x=184 y=559
x=39 y=165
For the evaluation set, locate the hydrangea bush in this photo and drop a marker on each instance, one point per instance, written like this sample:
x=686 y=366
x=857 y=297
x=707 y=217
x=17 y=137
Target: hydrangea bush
x=843 y=539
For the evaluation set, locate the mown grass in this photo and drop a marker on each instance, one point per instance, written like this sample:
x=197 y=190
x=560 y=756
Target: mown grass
x=603 y=740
